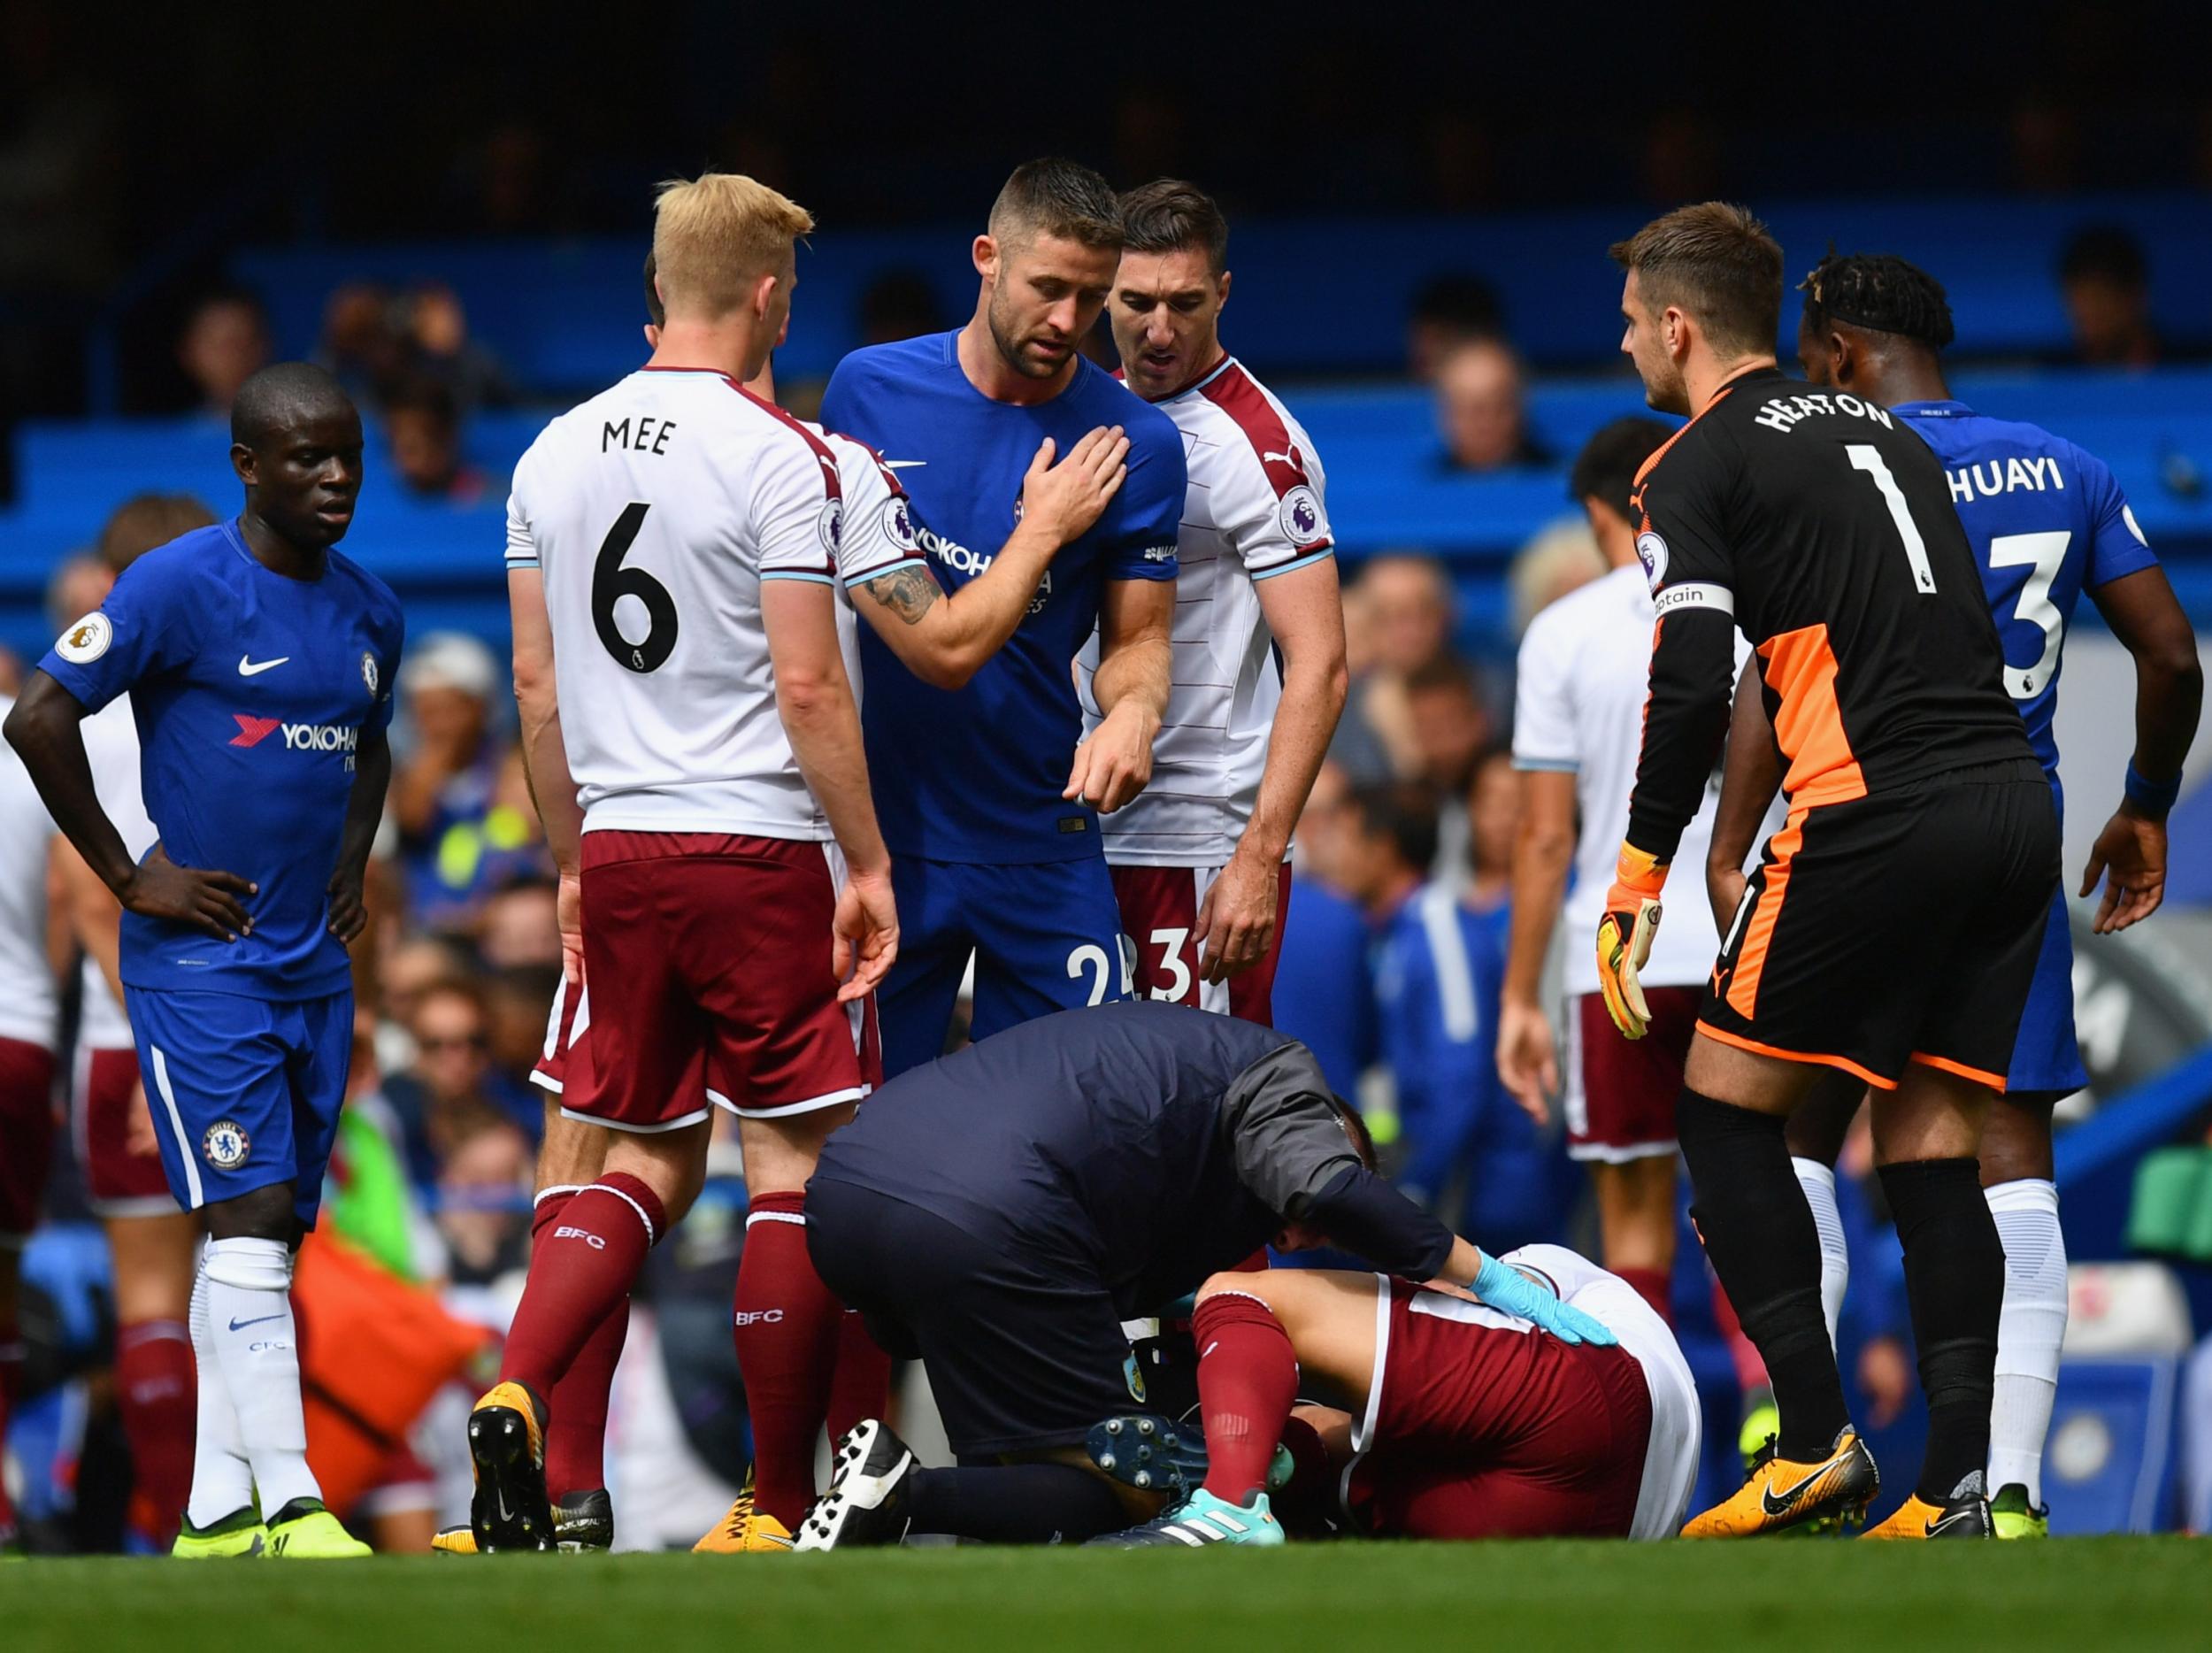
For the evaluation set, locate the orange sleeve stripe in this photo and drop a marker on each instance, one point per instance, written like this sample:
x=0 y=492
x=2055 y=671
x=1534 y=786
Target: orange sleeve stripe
x=1636 y=488
x=1823 y=1058
x=1801 y=668
x=1758 y=940
x=1980 y=1076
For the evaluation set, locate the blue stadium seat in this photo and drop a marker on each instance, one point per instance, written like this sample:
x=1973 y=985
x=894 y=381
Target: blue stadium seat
x=2111 y=1463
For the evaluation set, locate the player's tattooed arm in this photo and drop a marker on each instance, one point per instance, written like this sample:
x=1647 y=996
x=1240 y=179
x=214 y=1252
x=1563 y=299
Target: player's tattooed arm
x=909 y=591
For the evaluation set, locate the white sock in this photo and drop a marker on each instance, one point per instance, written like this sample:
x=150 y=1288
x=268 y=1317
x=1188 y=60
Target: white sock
x=1819 y=1183
x=2031 y=1328
x=249 y=1319
x=222 y=1479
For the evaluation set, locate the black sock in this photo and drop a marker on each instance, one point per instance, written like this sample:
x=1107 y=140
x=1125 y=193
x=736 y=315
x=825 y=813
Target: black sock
x=1954 y=1279
x=1758 y=1231
x=1017 y=1503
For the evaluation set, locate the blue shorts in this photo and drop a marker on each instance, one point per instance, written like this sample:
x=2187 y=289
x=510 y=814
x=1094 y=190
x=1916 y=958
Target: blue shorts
x=245 y=1092
x=1045 y=936
x=2045 y=1056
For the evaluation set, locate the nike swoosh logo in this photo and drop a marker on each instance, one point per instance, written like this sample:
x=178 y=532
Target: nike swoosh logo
x=903 y=464
x=1777 y=1504
x=1936 y=1528
x=240 y=1325
x=505 y=1514
x=248 y=667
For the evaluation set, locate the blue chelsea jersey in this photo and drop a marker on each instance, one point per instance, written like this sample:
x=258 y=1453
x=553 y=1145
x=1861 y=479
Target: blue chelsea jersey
x=975 y=774
x=252 y=693
x=2046 y=521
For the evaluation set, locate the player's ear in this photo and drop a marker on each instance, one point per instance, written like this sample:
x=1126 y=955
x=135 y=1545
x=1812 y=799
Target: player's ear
x=986 y=255
x=245 y=462
x=1224 y=289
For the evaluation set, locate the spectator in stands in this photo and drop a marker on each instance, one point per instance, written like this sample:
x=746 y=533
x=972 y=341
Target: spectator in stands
x=517 y=999
x=360 y=347
x=2106 y=279
x=1448 y=311
x=1479 y=410
x=1450 y=727
x=452 y=1079
x=1561 y=558
x=483 y=1198
x=1400 y=610
x=1322 y=994
x=899 y=304
x=422 y=421
x=440 y=348
x=520 y=928
x=225 y=343
x=447 y=782
x=78 y=585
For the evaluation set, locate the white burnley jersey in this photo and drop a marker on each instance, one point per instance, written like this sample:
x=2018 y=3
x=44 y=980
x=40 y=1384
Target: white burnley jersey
x=1253 y=508
x=1578 y=707
x=29 y=1006
x=1677 y=1421
x=655 y=510
x=111 y=741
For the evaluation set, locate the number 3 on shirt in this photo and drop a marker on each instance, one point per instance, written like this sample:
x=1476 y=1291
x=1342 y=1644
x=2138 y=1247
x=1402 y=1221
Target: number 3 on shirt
x=1868 y=458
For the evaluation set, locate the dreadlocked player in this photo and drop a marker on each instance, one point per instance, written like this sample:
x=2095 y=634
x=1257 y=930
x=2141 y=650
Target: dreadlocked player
x=2046 y=522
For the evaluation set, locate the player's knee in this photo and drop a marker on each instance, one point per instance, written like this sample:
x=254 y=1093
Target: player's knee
x=264 y=1213
x=1228 y=1280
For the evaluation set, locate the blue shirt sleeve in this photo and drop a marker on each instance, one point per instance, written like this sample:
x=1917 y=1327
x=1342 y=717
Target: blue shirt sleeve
x=1150 y=512
x=391 y=644
x=2117 y=546
x=149 y=625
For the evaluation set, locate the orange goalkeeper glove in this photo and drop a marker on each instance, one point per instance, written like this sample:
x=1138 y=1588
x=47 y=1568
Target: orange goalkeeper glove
x=1625 y=931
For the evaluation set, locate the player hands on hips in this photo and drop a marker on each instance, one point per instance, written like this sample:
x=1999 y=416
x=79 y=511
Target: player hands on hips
x=736 y=911
x=1910 y=776
x=260 y=662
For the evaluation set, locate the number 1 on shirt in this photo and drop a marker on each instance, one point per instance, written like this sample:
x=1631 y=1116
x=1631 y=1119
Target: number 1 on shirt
x=1869 y=459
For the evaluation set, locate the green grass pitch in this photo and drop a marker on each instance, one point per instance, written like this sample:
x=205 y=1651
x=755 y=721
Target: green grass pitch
x=2131 y=1594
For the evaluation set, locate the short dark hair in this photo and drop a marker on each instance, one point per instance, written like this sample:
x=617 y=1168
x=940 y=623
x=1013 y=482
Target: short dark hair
x=1402 y=812
x=280 y=394
x=1461 y=301
x=1606 y=468
x=1169 y=215
x=1881 y=293
x=2104 y=252
x=1445 y=673
x=655 y=312
x=1717 y=261
x=421 y=395
x=145 y=520
x=1059 y=197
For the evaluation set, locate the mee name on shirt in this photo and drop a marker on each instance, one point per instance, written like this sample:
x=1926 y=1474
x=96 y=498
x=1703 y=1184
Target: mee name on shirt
x=252 y=693
x=975 y=774
x=654 y=512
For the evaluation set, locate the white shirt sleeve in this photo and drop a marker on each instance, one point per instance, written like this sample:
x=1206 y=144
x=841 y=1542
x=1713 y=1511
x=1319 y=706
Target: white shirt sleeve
x=797 y=509
x=522 y=551
x=1543 y=700
x=1273 y=533
x=878 y=533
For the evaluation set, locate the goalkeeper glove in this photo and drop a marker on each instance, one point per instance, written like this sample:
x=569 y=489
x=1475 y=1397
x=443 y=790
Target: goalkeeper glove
x=1625 y=931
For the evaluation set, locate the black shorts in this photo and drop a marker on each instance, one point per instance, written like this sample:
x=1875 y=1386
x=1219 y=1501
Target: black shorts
x=1023 y=1351
x=1902 y=927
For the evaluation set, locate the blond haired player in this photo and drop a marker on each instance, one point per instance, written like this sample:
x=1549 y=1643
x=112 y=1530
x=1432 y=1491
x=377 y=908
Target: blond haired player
x=1259 y=676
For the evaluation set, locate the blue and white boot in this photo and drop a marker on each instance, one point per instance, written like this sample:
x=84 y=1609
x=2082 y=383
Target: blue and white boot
x=1201 y=1520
